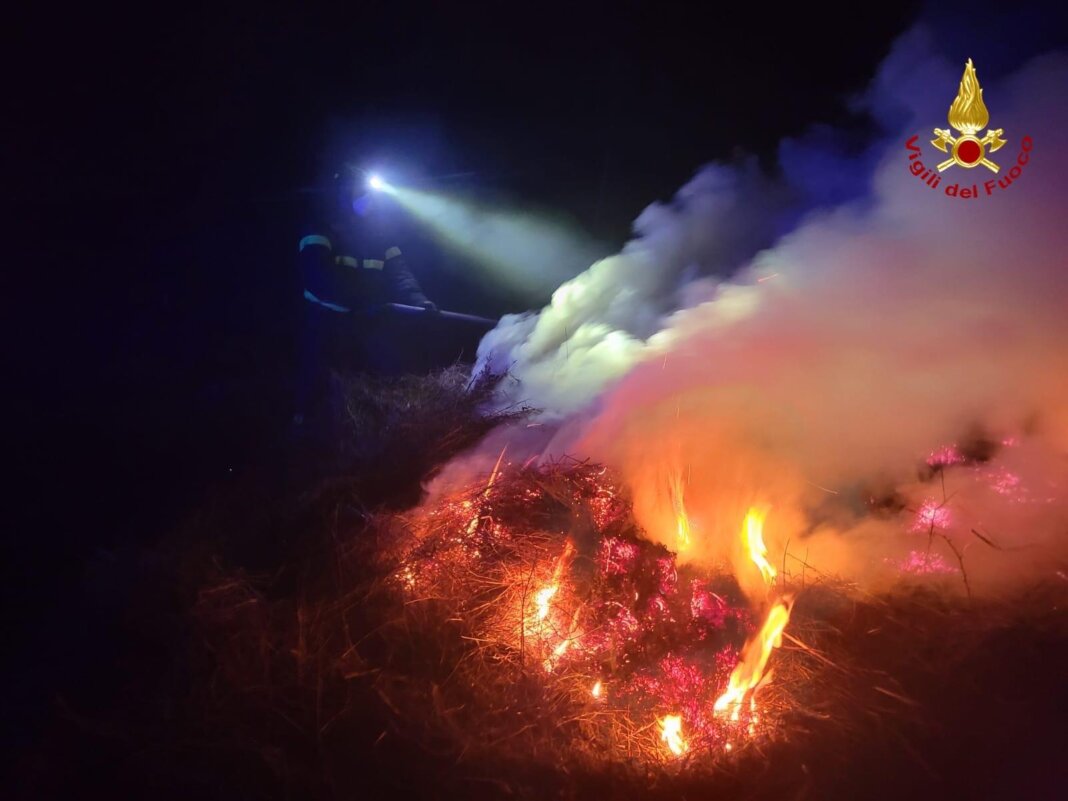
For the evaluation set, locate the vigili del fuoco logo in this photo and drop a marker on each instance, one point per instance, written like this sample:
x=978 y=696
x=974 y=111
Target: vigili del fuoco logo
x=968 y=115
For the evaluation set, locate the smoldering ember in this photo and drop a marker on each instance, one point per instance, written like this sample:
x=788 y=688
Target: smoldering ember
x=594 y=408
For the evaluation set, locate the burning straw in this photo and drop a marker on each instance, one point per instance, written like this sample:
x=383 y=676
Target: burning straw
x=568 y=620
x=524 y=625
x=528 y=620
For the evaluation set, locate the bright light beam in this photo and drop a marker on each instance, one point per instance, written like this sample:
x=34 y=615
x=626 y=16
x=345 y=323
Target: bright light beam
x=376 y=183
x=531 y=252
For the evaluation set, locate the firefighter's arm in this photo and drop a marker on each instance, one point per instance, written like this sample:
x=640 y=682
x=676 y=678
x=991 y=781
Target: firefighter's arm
x=403 y=285
x=316 y=255
x=326 y=280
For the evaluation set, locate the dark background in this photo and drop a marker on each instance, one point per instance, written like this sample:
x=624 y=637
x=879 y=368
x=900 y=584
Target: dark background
x=162 y=161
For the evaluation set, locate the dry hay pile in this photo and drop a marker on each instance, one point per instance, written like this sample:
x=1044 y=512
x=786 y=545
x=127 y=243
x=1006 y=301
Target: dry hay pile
x=528 y=618
x=524 y=629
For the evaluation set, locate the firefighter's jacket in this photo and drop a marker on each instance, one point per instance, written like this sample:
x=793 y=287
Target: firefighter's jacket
x=344 y=283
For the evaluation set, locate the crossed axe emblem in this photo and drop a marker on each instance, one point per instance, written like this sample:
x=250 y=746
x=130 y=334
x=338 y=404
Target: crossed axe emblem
x=947 y=144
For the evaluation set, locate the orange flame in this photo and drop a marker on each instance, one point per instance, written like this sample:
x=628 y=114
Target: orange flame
x=544 y=596
x=542 y=624
x=564 y=560
x=542 y=599
x=573 y=635
x=750 y=670
x=550 y=661
x=754 y=542
x=682 y=519
x=598 y=688
x=671 y=733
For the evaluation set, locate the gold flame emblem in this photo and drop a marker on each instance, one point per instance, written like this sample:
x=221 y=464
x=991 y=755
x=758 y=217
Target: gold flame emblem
x=968 y=115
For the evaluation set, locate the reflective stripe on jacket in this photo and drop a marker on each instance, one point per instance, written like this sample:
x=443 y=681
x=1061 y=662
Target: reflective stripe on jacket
x=343 y=283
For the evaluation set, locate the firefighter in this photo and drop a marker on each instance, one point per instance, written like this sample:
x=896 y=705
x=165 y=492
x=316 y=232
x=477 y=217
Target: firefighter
x=342 y=283
x=346 y=279
x=350 y=262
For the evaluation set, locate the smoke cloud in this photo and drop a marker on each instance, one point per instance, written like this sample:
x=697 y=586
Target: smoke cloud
x=890 y=377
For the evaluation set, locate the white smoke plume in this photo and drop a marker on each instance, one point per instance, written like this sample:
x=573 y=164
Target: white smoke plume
x=819 y=377
x=597 y=324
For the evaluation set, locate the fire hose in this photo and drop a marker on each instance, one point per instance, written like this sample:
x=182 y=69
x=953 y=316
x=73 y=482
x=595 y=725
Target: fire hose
x=402 y=308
